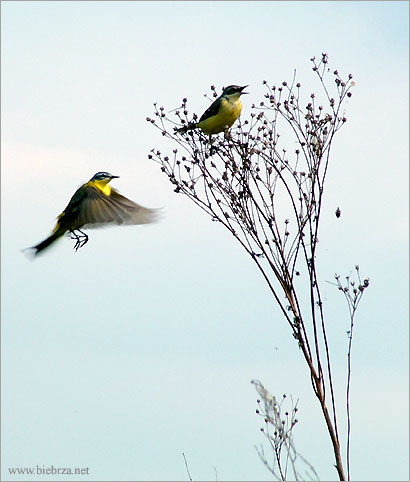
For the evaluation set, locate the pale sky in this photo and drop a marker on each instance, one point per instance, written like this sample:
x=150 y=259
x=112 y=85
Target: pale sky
x=143 y=344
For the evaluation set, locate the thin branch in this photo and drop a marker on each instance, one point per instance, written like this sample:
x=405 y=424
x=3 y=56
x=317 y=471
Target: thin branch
x=186 y=466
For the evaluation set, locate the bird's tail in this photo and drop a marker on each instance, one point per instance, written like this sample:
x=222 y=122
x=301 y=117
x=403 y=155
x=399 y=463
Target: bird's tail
x=57 y=233
x=188 y=127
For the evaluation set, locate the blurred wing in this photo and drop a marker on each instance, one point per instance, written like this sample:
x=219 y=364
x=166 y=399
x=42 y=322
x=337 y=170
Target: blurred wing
x=212 y=110
x=96 y=210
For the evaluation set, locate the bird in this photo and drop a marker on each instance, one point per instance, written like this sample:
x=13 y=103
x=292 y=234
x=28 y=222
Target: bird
x=221 y=114
x=95 y=204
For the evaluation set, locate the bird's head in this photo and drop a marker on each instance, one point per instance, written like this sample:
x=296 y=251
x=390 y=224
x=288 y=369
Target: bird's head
x=236 y=90
x=103 y=176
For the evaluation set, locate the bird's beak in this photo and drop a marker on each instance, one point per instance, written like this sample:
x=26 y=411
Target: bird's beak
x=113 y=177
x=244 y=87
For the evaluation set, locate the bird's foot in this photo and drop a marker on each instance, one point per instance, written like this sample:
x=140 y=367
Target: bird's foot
x=227 y=135
x=80 y=239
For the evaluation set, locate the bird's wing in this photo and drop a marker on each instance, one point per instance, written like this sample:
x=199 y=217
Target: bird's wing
x=131 y=212
x=94 y=209
x=212 y=110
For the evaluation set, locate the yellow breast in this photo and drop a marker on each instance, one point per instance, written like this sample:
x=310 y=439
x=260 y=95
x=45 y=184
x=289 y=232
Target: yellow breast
x=229 y=111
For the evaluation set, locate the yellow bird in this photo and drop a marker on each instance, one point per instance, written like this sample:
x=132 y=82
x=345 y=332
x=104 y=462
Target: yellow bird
x=221 y=114
x=96 y=204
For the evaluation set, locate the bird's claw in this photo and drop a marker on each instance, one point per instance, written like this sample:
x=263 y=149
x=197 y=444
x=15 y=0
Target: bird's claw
x=81 y=239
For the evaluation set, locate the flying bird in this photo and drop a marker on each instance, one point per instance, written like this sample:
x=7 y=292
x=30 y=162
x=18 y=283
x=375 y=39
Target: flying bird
x=95 y=204
x=221 y=114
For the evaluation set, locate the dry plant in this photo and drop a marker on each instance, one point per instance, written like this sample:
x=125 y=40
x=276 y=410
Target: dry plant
x=270 y=198
x=278 y=430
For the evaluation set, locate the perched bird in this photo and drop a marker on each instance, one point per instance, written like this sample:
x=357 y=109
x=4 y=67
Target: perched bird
x=95 y=204
x=221 y=114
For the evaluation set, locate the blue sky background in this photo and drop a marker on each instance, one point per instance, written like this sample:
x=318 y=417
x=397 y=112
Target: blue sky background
x=142 y=345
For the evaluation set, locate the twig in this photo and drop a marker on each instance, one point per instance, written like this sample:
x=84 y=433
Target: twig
x=187 y=468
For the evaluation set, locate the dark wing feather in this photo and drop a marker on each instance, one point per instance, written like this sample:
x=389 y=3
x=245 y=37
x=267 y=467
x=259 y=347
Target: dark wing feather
x=212 y=110
x=91 y=208
x=99 y=209
x=131 y=212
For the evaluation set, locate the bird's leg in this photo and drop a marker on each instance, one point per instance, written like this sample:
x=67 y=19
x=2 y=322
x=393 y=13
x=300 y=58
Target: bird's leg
x=81 y=239
x=227 y=134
